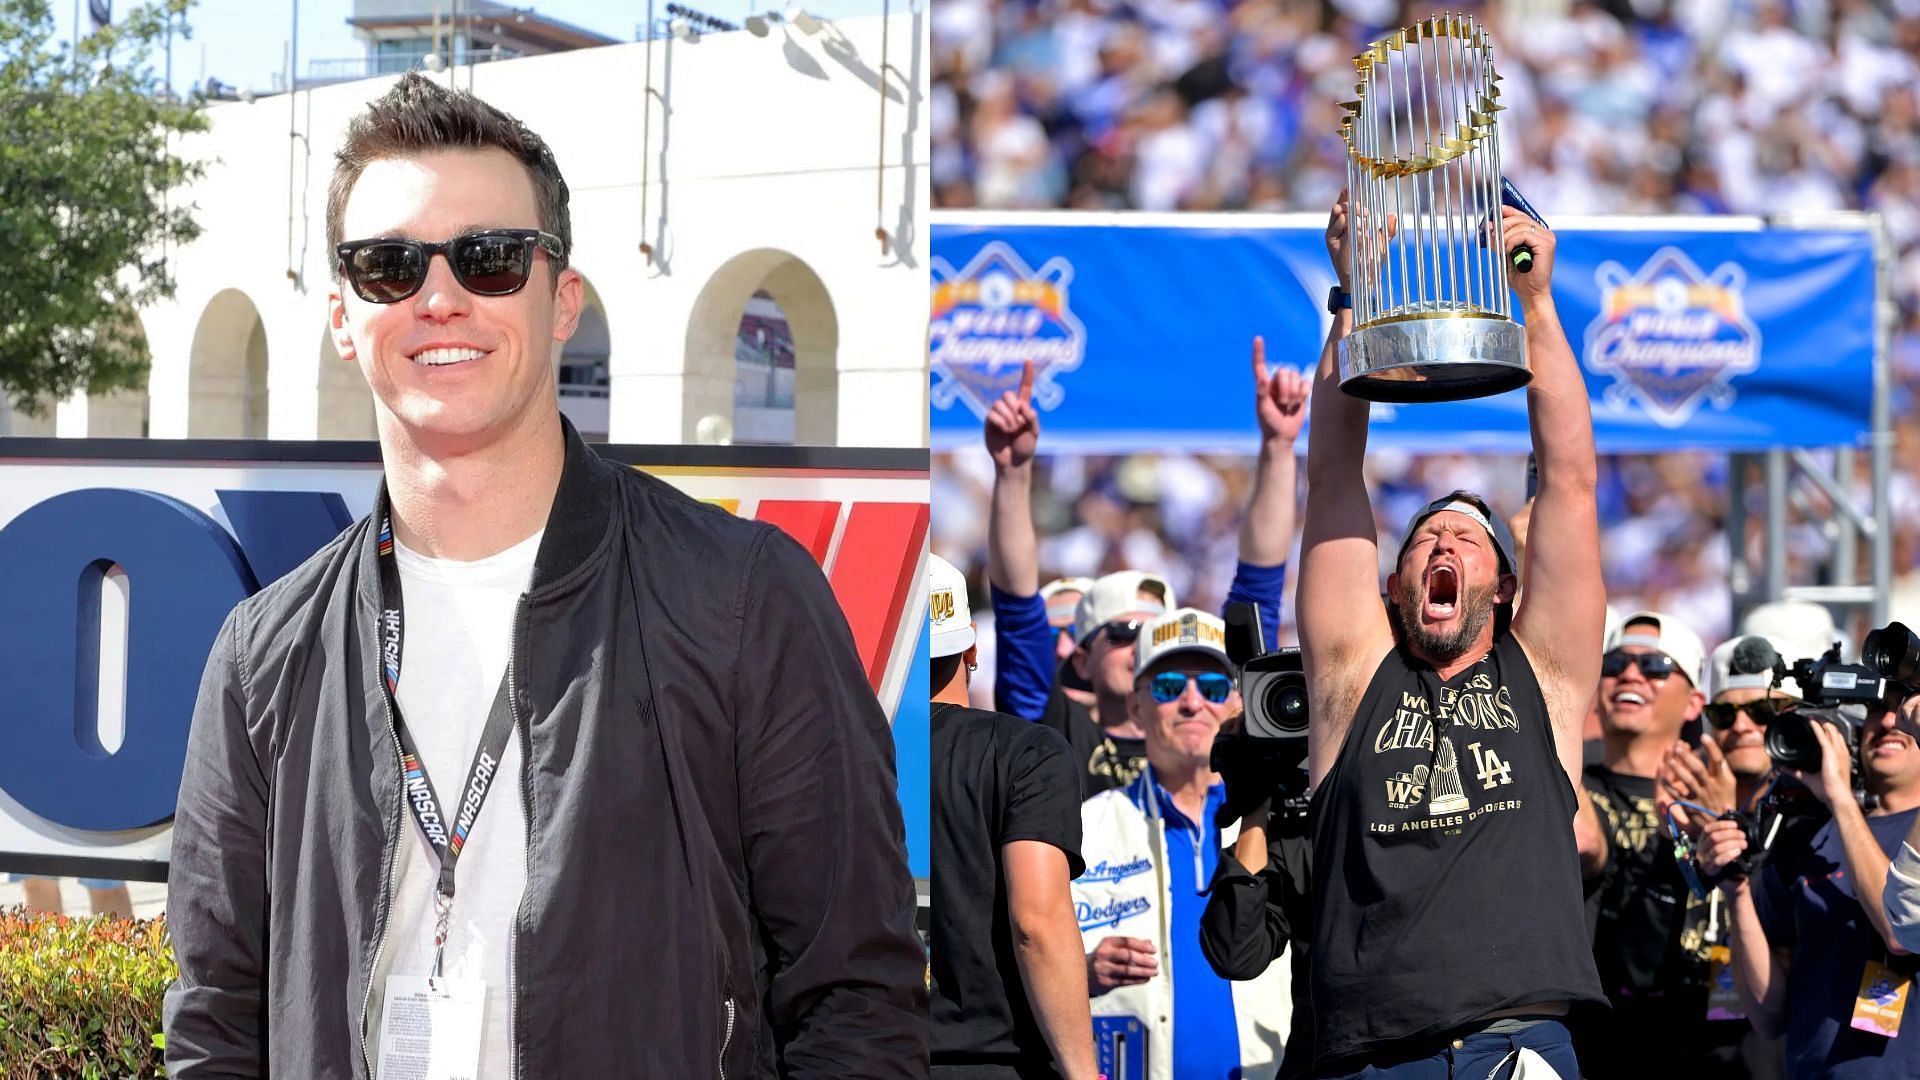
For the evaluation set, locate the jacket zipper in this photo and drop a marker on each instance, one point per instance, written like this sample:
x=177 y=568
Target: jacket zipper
x=386 y=896
x=526 y=819
x=726 y=1041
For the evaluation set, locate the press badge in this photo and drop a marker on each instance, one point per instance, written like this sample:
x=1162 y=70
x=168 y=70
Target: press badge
x=431 y=1032
x=1723 y=1001
x=1883 y=997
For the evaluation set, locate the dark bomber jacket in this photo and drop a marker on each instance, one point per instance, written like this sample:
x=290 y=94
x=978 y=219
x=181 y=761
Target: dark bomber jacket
x=717 y=880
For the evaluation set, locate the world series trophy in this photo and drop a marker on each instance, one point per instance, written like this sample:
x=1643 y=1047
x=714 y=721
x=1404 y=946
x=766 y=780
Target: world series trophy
x=1432 y=316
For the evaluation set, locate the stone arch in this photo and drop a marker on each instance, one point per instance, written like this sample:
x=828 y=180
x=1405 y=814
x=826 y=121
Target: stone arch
x=345 y=400
x=581 y=371
x=713 y=336
x=227 y=370
x=125 y=413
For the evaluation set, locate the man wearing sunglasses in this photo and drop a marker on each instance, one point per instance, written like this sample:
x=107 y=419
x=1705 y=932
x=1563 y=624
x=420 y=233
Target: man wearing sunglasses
x=1444 y=739
x=1814 y=954
x=538 y=723
x=1654 y=940
x=1151 y=848
x=1027 y=680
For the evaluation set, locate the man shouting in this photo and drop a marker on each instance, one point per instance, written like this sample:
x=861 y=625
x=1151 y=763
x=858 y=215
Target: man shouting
x=1445 y=741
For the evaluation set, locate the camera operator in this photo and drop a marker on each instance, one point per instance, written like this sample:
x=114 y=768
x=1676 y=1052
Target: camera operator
x=1029 y=679
x=1151 y=848
x=1812 y=950
x=1261 y=899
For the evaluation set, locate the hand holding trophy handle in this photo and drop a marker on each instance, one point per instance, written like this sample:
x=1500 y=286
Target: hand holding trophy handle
x=1520 y=258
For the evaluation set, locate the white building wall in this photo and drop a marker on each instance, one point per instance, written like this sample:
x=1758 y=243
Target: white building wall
x=754 y=144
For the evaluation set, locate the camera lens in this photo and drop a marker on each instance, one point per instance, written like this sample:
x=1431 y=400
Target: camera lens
x=1287 y=704
x=1893 y=651
x=1792 y=744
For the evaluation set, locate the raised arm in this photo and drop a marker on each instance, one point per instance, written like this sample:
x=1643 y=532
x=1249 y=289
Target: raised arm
x=1280 y=405
x=1562 y=615
x=1343 y=624
x=1023 y=641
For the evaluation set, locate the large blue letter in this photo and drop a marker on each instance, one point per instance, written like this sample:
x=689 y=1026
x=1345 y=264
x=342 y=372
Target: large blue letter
x=184 y=574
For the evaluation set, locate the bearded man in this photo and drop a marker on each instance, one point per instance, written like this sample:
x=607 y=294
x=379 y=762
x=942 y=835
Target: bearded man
x=1444 y=746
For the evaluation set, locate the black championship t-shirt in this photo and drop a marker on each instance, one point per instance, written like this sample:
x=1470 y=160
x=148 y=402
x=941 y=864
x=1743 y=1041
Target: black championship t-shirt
x=996 y=779
x=1447 y=883
x=1105 y=761
x=1654 y=944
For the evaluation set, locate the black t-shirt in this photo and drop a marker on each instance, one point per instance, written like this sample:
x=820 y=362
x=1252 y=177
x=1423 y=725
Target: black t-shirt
x=1652 y=943
x=1251 y=919
x=1105 y=761
x=996 y=779
x=1448 y=883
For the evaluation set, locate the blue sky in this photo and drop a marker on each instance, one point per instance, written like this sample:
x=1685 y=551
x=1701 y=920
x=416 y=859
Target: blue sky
x=243 y=42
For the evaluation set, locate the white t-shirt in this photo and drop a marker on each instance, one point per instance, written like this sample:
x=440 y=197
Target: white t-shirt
x=458 y=633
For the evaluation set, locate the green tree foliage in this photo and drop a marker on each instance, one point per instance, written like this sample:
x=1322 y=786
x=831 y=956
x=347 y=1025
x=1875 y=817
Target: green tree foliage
x=89 y=199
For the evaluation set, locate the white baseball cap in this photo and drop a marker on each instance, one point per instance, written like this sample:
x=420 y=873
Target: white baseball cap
x=1178 y=631
x=1670 y=636
x=1800 y=629
x=1078 y=585
x=1117 y=594
x=947 y=609
x=1726 y=678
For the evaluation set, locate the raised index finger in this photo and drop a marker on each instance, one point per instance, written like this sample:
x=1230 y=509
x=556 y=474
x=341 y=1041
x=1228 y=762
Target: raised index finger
x=1026 y=382
x=1259 y=360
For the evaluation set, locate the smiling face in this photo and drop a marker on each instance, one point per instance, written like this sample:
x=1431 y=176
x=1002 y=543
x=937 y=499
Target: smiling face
x=1446 y=588
x=1632 y=704
x=1890 y=749
x=1745 y=743
x=1182 y=730
x=449 y=369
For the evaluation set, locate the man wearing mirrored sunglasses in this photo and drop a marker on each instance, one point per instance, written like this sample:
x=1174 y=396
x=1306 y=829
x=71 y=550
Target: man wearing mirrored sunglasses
x=1151 y=848
x=538 y=723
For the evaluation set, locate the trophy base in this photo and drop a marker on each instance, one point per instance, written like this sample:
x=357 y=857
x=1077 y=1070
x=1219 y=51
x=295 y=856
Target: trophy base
x=1434 y=356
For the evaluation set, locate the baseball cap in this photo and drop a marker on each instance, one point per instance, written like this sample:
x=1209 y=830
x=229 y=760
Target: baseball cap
x=1725 y=677
x=1062 y=619
x=1117 y=594
x=1178 y=631
x=1475 y=507
x=1800 y=629
x=1670 y=636
x=947 y=608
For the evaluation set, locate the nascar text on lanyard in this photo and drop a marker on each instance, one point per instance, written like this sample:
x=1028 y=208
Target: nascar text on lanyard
x=446 y=837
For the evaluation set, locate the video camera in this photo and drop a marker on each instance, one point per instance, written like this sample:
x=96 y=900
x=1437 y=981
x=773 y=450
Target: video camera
x=1890 y=661
x=1266 y=759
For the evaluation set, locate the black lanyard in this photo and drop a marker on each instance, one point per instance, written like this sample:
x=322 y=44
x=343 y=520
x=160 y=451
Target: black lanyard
x=446 y=835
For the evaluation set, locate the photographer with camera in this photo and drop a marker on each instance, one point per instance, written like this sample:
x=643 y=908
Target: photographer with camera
x=1261 y=899
x=1813 y=953
x=1028 y=672
x=1151 y=848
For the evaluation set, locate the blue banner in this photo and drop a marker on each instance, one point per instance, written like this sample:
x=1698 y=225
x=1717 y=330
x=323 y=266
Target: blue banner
x=1692 y=333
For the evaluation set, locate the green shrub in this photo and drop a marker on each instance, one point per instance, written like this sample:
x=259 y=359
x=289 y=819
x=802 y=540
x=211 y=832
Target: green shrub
x=80 y=997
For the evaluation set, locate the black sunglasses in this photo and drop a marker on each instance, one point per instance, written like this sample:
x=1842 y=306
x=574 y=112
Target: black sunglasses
x=487 y=262
x=1122 y=631
x=1721 y=714
x=1654 y=665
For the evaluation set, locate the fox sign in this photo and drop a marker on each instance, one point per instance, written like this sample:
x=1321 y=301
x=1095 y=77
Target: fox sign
x=119 y=560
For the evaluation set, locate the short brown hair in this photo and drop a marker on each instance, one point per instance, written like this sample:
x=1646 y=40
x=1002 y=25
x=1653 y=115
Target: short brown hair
x=420 y=115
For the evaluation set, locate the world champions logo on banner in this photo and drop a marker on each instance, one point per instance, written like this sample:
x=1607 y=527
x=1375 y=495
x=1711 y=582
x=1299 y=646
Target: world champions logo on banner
x=1670 y=336
x=992 y=316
